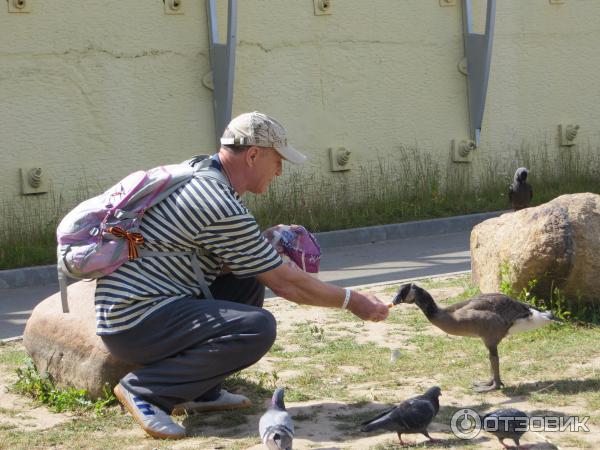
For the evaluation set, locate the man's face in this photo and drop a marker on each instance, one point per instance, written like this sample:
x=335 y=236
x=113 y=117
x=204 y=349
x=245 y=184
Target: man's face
x=267 y=164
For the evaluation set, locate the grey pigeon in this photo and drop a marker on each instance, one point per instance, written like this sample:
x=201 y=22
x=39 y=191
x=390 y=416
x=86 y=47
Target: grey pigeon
x=411 y=416
x=276 y=427
x=520 y=192
x=506 y=424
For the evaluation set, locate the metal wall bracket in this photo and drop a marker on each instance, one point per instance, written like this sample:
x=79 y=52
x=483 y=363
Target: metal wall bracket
x=19 y=6
x=462 y=150
x=567 y=134
x=33 y=180
x=478 y=51
x=339 y=159
x=222 y=59
x=322 y=7
x=173 y=6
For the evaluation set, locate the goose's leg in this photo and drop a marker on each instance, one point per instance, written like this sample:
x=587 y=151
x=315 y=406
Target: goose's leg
x=486 y=383
x=496 y=383
x=490 y=382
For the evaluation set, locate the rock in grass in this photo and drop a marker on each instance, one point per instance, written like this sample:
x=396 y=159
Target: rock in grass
x=66 y=345
x=556 y=243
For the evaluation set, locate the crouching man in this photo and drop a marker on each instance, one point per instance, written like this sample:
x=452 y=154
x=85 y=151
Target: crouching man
x=152 y=311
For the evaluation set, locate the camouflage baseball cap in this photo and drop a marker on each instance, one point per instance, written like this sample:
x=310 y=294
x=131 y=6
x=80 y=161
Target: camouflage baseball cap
x=258 y=129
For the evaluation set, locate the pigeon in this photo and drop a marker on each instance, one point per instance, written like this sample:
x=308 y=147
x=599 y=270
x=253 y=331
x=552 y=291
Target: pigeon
x=276 y=427
x=520 y=192
x=506 y=424
x=409 y=417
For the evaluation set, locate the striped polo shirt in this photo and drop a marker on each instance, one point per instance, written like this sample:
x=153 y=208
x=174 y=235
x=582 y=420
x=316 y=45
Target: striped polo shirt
x=204 y=214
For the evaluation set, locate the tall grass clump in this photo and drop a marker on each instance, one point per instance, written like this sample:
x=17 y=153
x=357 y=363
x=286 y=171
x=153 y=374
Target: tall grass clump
x=41 y=388
x=573 y=310
x=27 y=234
x=28 y=227
x=409 y=185
x=412 y=185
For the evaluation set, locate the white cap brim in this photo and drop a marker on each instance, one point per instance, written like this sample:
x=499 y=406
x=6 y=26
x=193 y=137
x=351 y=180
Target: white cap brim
x=291 y=154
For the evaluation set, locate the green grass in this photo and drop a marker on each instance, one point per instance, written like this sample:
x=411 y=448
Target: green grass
x=550 y=369
x=411 y=185
x=572 y=310
x=453 y=443
x=41 y=388
x=27 y=239
x=84 y=432
x=556 y=345
x=28 y=226
x=11 y=356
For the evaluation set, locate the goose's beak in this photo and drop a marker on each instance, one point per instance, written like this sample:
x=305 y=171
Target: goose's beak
x=402 y=294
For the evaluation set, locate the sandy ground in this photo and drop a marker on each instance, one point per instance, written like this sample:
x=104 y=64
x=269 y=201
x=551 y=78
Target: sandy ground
x=320 y=429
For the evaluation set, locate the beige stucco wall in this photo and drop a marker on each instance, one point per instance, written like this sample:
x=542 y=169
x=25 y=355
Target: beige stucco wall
x=95 y=89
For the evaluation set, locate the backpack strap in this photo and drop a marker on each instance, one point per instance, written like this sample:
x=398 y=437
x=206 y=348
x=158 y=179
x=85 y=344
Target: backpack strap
x=62 y=282
x=200 y=277
x=208 y=167
x=205 y=166
x=62 y=275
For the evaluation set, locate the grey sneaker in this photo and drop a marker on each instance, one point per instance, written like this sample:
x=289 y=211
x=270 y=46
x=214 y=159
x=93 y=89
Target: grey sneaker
x=226 y=400
x=152 y=419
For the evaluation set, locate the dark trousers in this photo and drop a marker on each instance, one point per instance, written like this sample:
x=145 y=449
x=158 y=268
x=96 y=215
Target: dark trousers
x=189 y=346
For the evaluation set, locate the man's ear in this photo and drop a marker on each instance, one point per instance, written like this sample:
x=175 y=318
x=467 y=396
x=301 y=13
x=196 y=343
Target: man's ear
x=251 y=155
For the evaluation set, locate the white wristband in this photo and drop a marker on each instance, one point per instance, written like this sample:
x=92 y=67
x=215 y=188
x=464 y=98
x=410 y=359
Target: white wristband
x=346 y=298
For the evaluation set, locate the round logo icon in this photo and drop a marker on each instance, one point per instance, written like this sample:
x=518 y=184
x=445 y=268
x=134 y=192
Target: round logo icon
x=465 y=423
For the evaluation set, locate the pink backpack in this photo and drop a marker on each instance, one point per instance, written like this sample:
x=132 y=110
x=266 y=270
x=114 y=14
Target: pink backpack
x=101 y=233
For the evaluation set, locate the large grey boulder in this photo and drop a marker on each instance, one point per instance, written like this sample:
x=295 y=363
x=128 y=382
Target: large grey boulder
x=557 y=244
x=66 y=345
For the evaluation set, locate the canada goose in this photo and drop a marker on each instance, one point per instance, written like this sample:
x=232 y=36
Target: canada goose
x=411 y=416
x=520 y=192
x=488 y=316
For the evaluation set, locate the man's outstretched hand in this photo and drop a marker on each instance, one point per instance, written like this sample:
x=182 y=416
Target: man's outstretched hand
x=368 y=307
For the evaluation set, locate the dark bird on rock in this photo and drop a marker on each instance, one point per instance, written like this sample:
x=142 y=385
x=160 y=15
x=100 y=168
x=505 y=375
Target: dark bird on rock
x=488 y=316
x=409 y=417
x=276 y=427
x=508 y=423
x=520 y=192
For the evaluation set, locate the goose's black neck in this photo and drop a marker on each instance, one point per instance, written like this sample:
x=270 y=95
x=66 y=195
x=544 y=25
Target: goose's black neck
x=426 y=303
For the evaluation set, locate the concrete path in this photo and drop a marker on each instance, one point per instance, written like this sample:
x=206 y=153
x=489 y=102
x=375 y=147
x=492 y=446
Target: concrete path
x=350 y=258
x=396 y=260
x=16 y=306
x=343 y=266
